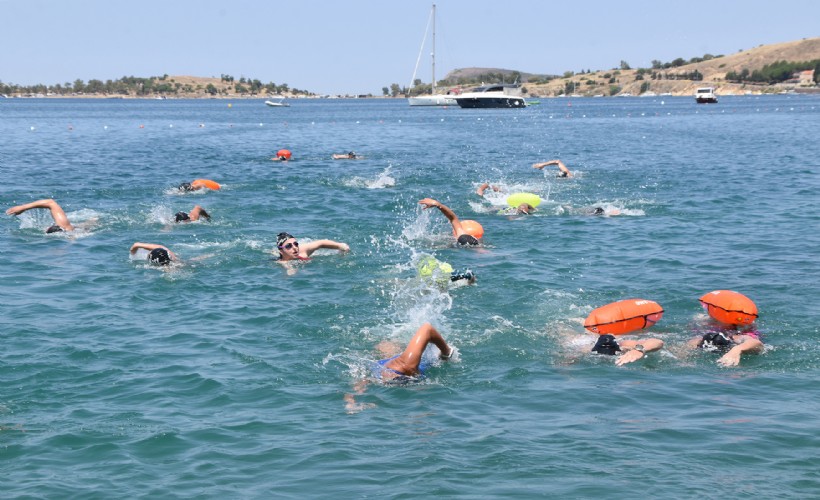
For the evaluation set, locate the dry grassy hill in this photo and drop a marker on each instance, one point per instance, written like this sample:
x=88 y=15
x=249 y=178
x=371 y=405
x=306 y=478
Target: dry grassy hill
x=713 y=71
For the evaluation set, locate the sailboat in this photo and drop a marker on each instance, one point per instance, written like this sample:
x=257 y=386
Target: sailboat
x=430 y=99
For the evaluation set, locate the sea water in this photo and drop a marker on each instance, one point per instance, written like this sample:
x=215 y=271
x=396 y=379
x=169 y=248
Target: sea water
x=232 y=376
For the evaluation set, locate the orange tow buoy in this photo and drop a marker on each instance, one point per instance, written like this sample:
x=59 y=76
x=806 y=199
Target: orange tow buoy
x=201 y=183
x=284 y=153
x=730 y=307
x=472 y=228
x=624 y=316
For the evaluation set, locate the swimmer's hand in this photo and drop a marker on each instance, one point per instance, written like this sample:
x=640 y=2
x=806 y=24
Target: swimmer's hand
x=429 y=203
x=344 y=247
x=14 y=211
x=629 y=357
x=731 y=358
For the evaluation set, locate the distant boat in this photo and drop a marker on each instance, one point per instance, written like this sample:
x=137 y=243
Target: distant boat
x=278 y=103
x=502 y=95
x=705 y=95
x=431 y=99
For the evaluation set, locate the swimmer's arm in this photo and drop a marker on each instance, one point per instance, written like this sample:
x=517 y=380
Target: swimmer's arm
x=694 y=343
x=311 y=247
x=747 y=345
x=451 y=216
x=649 y=345
x=540 y=166
x=151 y=246
x=56 y=210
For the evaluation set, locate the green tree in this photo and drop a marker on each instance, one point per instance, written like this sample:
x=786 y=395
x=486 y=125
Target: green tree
x=385 y=91
x=211 y=89
x=395 y=89
x=625 y=65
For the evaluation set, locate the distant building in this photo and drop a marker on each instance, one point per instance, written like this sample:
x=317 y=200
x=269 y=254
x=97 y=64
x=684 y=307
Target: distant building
x=805 y=78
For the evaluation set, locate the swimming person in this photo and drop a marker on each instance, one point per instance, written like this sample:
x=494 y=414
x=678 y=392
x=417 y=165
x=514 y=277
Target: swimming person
x=563 y=170
x=405 y=367
x=408 y=364
x=198 y=184
x=522 y=208
x=157 y=254
x=630 y=350
x=61 y=222
x=461 y=234
x=347 y=156
x=290 y=250
x=731 y=342
x=193 y=216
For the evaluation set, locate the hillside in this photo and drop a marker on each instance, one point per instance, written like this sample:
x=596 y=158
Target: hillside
x=621 y=81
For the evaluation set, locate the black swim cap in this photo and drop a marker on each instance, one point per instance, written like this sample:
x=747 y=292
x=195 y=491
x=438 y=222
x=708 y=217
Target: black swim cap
x=181 y=216
x=606 y=345
x=715 y=341
x=466 y=239
x=598 y=211
x=186 y=186
x=159 y=256
x=54 y=229
x=281 y=238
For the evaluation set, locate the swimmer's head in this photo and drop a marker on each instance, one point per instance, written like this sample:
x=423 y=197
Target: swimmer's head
x=598 y=211
x=467 y=240
x=351 y=155
x=181 y=217
x=281 y=238
x=185 y=186
x=159 y=256
x=526 y=209
x=715 y=341
x=563 y=174
x=54 y=229
x=606 y=345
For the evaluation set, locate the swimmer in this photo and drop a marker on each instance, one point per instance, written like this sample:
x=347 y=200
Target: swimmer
x=408 y=363
x=461 y=235
x=442 y=273
x=197 y=185
x=600 y=211
x=289 y=248
x=193 y=216
x=563 y=170
x=157 y=254
x=61 y=222
x=404 y=367
x=347 y=156
x=630 y=350
x=731 y=342
x=522 y=208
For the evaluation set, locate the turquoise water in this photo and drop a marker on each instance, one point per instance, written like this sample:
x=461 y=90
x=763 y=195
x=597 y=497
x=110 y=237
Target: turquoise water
x=226 y=376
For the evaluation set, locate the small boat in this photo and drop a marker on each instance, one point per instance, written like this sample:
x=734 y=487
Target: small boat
x=280 y=103
x=705 y=95
x=502 y=95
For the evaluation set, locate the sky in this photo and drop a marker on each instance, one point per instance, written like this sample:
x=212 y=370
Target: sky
x=361 y=46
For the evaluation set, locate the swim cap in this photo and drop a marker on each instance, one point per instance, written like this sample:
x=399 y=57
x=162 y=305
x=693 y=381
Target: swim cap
x=159 y=256
x=185 y=186
x=598 y=211
x=715 y=341
x=181 y=216
x=281 y=238
x=606 y=345
x=463 y=275
x=54 y=229
x=467 y=240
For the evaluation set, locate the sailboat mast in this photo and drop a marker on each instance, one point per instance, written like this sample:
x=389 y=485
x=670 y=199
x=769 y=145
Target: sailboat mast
x=434 y=50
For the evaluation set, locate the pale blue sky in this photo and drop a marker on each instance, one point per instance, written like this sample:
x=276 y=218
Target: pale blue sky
x=360 y=46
